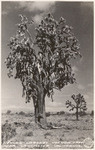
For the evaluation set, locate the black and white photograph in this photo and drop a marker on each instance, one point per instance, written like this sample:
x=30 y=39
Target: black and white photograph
x=47 y=74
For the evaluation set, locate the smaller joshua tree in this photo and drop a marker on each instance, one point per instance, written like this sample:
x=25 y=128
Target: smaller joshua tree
x=80 y=104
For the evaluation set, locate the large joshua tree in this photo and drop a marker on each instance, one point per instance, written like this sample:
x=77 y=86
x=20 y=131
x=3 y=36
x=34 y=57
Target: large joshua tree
x=42 y=64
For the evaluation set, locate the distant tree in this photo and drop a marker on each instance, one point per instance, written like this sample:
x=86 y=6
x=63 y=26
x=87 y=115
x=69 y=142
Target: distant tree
x=42 y=64
x=79 y=105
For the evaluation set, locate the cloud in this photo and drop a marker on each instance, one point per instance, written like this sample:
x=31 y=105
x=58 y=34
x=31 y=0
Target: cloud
x=36 y=6
x=37 y=18
x=41 y=7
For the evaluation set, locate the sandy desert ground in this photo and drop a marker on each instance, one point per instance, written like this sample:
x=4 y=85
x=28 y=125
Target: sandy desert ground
x=20 y=131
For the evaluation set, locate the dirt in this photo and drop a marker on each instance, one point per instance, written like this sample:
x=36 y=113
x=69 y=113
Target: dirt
x=20 y=131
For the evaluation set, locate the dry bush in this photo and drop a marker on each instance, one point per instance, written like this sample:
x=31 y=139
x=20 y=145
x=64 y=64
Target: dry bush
x=47 y=134
x=8 y=131
x=8 y=112
x=19 y=124
x=30 y=133
x=47 y=114
x=21 y=113
x=60 y=113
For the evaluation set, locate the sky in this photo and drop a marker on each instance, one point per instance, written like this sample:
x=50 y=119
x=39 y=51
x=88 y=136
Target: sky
x=79 y=15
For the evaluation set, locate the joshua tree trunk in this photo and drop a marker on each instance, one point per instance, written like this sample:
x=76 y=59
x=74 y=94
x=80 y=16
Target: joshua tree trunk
x=77 y=113
x=40 y=114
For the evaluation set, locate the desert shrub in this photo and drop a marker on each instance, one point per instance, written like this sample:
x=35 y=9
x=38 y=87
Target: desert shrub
x=57 y=124
x=8 y=131
x=8 y=112
x=19 y=124
x=29 y=133
x=60 y=113
x=21 y=113
x=82 y=113
x=47 y=134
x=29 y=115
x=61 y=139
x=27 y=125
x=86 y=120
x=47 y=114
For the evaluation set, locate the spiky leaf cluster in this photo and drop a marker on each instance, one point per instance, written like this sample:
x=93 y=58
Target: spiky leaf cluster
x=45 y=60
